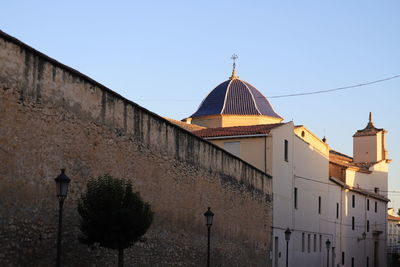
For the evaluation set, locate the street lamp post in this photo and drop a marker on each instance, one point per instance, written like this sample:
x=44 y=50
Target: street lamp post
x=328 y=246
x=62 y=182
x=209 y=215
x=287 y=238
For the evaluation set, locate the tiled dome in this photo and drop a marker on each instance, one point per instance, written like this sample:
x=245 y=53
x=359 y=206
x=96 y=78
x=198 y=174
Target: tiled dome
x=235 y=97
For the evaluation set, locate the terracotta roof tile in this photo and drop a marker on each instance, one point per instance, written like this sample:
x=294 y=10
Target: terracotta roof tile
x=237 y=130
x=347 y=161
x=370 y=129
x=393 y=218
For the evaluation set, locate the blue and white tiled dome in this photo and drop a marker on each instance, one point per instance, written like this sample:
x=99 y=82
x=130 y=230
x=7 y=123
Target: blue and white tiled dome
x=235 y=97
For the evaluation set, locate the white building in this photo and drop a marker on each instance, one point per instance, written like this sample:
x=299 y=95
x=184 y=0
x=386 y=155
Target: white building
x=393 y=232
x=319 y=194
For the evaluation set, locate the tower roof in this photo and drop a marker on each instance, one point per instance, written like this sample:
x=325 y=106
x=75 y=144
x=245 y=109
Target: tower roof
x=370 y=129
x=235 y=97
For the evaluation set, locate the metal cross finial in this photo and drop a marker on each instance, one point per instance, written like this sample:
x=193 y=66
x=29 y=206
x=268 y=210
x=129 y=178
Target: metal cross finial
x=234 y=57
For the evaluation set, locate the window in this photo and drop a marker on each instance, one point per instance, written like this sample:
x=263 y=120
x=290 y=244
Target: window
x=302 y=242
x=233 y=148
x=376 y=206
x=367 y=204
x=320 y=243
x=286 y=150
x=353 y=201
x=337 y=210
x=319 y=205
x=367 y=261
x=295 y=197
x=376 y=190
x=352 y=262
x=315 y=243
x=308 y=244
x=367 y=225
x=352 y=223
x=342 y=257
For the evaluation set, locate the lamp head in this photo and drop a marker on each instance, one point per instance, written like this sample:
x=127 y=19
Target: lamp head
x=62 y=183
x=287 y=234
x=209 y=215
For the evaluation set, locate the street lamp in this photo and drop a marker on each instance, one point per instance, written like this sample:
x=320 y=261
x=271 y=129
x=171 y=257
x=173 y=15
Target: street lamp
x=287 y=238
x=209 y=215
x=62 y=182
x=328 y=246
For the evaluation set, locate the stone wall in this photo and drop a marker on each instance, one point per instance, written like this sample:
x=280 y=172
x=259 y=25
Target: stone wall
x=53 y=117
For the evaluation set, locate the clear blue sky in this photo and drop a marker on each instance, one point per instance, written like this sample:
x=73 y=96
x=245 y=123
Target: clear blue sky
x=167 y=55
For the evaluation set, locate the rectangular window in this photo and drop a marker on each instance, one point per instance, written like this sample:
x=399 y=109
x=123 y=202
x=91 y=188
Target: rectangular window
x=337 y=210
x=352 y=262
x=352 y=223
x=367 y=226
x=302 y=242
x=376 y=190
x=376 y=206
x=342 y=257
x=308 y=244
x=233 y=148
x=315 y=243
x=367 y=204
x=295 y=197
x=320 y=243
x=367 y=261
x=353 y=201
x=286 y=150
x=319 y=205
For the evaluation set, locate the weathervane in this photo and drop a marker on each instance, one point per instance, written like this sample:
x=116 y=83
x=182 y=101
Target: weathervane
x=234 y=57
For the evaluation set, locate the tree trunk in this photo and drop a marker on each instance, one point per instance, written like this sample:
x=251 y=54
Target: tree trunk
x=120 y=257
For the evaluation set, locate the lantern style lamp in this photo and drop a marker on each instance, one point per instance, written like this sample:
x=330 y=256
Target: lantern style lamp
x=287 y=238
x=62 y=183
x=328 y=246
x=209 y=215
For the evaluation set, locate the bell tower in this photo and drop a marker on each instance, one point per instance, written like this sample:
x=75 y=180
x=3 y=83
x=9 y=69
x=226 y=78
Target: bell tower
x=369 y=144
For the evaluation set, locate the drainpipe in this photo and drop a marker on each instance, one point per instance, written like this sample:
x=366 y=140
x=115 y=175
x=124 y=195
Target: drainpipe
x=265 y=154
x=365 y=228
x=341 y=222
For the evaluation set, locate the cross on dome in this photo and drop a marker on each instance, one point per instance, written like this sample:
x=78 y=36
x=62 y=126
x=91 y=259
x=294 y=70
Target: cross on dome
x=234 y=57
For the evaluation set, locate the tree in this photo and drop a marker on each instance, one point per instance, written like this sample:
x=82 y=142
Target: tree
x=112 y=215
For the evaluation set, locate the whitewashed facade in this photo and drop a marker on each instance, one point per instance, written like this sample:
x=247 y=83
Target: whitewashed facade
x=320 y=195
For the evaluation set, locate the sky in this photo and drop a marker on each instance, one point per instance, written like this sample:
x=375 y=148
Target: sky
x=168 y=55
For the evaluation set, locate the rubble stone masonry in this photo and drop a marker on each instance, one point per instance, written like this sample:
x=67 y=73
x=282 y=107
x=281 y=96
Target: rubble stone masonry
x=53 y=117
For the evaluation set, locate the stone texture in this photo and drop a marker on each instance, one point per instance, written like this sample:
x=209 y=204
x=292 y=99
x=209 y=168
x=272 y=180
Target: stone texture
x=53 y=117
